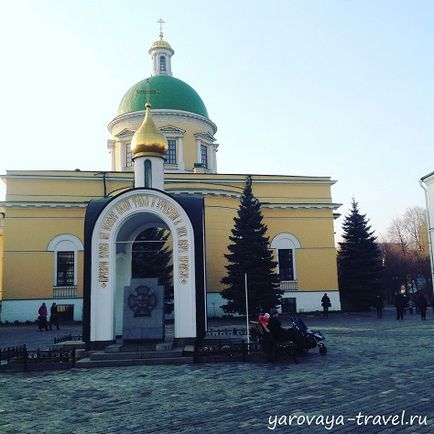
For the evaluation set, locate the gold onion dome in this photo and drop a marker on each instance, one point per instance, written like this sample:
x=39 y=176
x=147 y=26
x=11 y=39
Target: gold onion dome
x=147 y=140
x=161 y=43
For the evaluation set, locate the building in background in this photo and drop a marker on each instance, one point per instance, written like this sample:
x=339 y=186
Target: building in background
x=427 y=183
x=44 y=210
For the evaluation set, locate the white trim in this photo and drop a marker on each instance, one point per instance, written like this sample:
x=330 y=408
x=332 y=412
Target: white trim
x=65 y=243
x=206 y=137
x=224 y=178
x=46 y=204
x=180 y=113
x=204 y=192
x=103 y=283
x=306 y=301
x=286 y=241
x=27 y=310
x=52 y=245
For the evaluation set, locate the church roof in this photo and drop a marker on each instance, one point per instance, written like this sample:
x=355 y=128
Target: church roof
x=173 y=94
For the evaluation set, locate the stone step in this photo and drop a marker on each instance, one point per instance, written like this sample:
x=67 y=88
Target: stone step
x=68 y=345
x=122 y=355
x=88 y=363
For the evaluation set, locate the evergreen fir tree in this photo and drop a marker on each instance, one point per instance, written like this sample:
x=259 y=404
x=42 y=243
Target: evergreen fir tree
x=250 y=253
x=359 y=263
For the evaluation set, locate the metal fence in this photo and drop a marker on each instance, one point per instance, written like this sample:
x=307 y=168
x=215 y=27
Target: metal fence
x=235 y=331
x=21 y=359
x=227 y=350
x=66 y=338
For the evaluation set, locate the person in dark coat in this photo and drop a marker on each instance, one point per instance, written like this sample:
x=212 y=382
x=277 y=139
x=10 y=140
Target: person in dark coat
x=379 y=306
x=422 y=304
x=400 y=305
x=275 y=327
x=326 y=305
x=42 y=318
x=54 y=316
x=284 y=334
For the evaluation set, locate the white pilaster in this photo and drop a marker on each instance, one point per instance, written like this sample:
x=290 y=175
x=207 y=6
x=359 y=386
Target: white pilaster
x=198 y=155
x=111 y=146
x=180 y=153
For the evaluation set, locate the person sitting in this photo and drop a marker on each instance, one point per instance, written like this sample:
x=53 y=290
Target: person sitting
x=275 y=327
x=282 y=333
x=264 y=319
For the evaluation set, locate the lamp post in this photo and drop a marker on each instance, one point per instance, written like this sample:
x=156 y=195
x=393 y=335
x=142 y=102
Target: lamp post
x=247 y=312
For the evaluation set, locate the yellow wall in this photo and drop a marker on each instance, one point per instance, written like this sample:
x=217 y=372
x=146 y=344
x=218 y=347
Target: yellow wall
x=315 y=260
x=28 y=267
x=1 y=258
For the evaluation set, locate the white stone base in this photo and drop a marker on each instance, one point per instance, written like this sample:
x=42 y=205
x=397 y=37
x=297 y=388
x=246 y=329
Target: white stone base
x=310 y=301
x=27 y=310
x=306 y=301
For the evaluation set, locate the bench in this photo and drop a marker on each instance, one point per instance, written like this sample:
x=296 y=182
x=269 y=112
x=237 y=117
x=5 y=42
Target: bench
x=270 y=345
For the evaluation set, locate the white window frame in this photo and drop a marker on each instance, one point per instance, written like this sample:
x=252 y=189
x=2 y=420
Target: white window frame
x=286 y=241
x=65 y=243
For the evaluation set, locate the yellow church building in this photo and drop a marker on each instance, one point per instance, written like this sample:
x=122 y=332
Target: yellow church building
x=42 y=240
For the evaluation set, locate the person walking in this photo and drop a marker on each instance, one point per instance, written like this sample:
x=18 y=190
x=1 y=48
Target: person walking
x=54 y=316
x=379 y=306
x=42 y=318
x=400 y=306
x=423 y=305
x=326 y=305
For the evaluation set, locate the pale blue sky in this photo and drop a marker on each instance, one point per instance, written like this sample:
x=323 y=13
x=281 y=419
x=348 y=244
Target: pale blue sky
x=337 y=88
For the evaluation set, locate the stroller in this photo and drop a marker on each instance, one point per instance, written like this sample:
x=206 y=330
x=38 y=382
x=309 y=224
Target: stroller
x=305 y=338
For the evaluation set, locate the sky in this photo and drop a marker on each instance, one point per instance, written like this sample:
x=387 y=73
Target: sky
x=338 y=88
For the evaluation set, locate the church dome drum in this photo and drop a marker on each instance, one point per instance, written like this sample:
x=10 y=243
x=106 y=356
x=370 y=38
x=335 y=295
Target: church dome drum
x=172 y=94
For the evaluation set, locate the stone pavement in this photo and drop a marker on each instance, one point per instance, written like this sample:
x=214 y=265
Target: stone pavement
x=373 y=367
x=13 y=335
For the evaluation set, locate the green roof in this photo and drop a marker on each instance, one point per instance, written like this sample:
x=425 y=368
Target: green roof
x=173 y=94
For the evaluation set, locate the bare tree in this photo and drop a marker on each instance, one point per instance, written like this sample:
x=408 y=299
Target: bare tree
x=397 y=233
x=406 y=251
x=416 y=229
x=410 y=231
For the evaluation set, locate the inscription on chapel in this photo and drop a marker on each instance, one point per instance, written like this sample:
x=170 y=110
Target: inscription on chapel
x=144 y=202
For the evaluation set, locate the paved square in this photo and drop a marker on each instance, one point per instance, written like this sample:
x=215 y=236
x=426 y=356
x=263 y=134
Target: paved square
x=375 y=367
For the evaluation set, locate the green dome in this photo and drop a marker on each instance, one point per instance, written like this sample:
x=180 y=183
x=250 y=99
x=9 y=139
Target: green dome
x=174 y=94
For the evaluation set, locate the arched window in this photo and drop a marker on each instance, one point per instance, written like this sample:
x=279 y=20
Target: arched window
x=65 y=248
x=148 y=174
x=162 y=63
x=285 y=245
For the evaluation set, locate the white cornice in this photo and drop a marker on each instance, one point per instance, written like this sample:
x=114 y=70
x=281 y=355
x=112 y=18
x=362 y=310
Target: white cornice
x=126 y=132
x=29 y=204
x=233 y=194
x=172 y=130
x=97 y=176
x=301 y=205
x=162 y=112
x=204 y=192
x=215 y=178
x=427 y=179
x=205 y=136
x=241 y=180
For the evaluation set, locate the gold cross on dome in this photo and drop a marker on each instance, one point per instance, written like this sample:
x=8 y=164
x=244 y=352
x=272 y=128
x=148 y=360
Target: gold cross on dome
x=161 y=22
x=147 y=90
